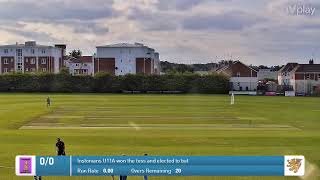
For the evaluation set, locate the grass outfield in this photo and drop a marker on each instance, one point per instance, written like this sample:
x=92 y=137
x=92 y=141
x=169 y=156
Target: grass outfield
x=159 y=125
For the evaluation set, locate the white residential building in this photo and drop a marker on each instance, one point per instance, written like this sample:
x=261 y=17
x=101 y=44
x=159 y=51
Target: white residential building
x=124 y=58
x=80 y=66
x=304 y=78
x=267 y=74
x=30 y=57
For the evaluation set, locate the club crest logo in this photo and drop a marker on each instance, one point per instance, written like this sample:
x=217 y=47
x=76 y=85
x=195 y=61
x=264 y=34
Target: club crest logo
x=294 y=165
x=25 y=165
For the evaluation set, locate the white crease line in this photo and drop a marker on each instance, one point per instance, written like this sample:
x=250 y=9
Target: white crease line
x=6 y=167
x=135 y=126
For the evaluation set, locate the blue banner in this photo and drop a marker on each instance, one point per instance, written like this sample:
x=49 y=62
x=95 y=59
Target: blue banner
x=160 y=165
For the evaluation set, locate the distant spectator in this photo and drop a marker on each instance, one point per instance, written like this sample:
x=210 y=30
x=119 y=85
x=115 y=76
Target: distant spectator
x=48 y=102
x=145 y=177
x=123 y=177
x=37 y=177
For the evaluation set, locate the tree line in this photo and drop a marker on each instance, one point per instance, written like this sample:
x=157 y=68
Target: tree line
x=169 y=67
x=106 y=83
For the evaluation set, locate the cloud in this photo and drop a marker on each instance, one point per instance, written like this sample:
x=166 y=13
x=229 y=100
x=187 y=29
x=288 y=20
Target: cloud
x=81 y=27
x=150 y=21
x=178 y=4
x=31 y=35
x=91 y=28
x=229 y=21
x=257 y=32
x=29 y=10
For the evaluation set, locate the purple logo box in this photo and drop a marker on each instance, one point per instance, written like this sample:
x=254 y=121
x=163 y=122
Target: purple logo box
x=25 y=165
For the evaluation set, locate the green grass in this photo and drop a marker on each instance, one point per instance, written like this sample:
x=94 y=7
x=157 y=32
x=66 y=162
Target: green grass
x=159 y=125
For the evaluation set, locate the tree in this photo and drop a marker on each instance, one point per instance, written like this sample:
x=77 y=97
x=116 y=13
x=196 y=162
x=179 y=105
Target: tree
x=75 y=53
x=168 y=67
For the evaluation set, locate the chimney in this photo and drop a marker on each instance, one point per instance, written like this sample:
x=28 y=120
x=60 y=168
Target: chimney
x=311 y=61
x=138 y=44
x=30 y=43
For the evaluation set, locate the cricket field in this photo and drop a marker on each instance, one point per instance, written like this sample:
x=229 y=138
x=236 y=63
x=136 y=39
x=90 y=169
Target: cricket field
x=106 y=124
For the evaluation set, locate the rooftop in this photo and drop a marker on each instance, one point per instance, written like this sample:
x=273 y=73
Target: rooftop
x=82 y=59
x=308 y=68
x=26 y=44
x=289 y=67
x=125 y=45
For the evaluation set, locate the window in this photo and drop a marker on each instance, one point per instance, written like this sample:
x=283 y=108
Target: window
x=5 y=70
x=19 y=52
x=43 y=61
x=32 y=51
x=307 y=76
x=27 y=69
x=44 y=69
x=27 y=60
x=318 y=76
x=19 y=67
x=19 y=60
x=238 y=74
x=43 y=51
x=33 y=61
x=6 y=51
x=6 y=61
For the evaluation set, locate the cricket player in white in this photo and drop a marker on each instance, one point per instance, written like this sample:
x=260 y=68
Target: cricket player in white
x=232 y=99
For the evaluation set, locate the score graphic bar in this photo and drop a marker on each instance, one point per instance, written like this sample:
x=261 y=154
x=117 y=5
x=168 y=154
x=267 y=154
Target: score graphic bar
x=160 y=165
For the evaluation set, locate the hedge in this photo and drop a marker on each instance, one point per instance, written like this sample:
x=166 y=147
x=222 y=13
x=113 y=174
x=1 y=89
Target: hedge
x=105 y=83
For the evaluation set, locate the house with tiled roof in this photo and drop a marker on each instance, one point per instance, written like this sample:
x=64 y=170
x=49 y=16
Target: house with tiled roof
x=304 y=78
x=80 y=66
x=242 y=77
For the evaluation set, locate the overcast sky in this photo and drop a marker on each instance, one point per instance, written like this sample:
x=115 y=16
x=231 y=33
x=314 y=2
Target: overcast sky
x=187 y=31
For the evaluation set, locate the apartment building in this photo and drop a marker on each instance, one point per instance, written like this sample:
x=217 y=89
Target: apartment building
x=30 y=57
x=124 y=58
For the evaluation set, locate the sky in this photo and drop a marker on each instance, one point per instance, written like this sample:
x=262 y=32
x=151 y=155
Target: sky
x=268 y=32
